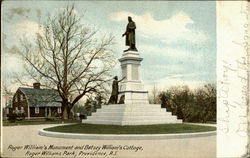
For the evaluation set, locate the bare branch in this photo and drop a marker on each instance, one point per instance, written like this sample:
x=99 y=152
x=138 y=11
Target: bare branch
x=67 y=56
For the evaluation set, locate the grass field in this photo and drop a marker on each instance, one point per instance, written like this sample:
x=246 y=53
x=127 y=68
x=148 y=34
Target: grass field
x=38 y=122
x=140 y=129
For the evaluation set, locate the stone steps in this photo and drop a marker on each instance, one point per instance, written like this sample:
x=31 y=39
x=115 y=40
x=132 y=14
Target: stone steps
x=128 y=114
x=131 y=108
x=103 y=113
x=137 y=122
x=131 y=118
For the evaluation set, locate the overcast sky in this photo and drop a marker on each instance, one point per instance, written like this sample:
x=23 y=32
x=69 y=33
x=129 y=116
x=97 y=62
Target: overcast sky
x=177 y=40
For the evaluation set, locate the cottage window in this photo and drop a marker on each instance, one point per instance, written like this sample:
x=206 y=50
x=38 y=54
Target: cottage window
x=21 y=97
x=37 y=110
x=59 y=110
x=16 y=98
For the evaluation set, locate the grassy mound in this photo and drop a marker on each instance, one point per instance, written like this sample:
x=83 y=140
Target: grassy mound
x=140 y=129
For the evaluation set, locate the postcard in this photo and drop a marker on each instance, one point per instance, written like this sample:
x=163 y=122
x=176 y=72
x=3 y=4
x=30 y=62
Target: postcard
x=121 y=79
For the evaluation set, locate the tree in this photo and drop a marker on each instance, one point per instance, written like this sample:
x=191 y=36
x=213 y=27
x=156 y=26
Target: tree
x=206 y=97
x=78 y=108
x=155 y=92
x=198 y=105
x=68 y=56
x=98 y=101
x=6 y=90
x=93 y=103
x=163 y=99
x=89 y=106
x=7 y=93
x=154 y=95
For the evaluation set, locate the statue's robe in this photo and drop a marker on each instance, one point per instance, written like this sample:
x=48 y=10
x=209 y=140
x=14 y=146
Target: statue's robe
x=130 y=34
x=115 y=88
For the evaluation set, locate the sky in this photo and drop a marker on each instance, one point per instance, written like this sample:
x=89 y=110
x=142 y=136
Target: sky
x=177 y=40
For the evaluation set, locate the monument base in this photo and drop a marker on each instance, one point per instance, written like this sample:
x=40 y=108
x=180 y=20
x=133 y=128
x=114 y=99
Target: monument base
x=128 y=114
x=134 y=107
x=134 y=97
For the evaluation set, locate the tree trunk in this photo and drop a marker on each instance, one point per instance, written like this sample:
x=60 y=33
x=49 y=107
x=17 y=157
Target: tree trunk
x=65 y=113
x=70 y=115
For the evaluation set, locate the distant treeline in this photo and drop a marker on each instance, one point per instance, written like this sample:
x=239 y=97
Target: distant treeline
x=197 y=105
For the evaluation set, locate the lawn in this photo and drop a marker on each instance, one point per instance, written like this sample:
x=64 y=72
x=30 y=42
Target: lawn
x=38 y=122
x=140 y=129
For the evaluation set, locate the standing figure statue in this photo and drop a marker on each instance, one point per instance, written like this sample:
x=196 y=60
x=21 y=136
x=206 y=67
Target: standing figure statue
x=114 y=95
x=130 y=35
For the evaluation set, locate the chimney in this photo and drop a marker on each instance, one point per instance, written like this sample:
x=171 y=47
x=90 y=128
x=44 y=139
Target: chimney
x=36 y=85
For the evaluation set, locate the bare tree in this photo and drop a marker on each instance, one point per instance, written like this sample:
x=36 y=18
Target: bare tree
x=7 y=93
x=6 y=89
x=155 y=94
x=68 y=56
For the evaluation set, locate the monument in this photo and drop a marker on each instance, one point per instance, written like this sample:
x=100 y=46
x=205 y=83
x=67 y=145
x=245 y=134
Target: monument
x=135 y=108
x=130 y=35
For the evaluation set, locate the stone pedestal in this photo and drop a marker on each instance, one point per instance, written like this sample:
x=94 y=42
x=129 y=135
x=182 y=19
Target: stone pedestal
x=136 y=109
x=132 y=86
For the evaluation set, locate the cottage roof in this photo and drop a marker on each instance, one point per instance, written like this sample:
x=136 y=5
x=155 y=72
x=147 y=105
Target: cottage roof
x=41 y=97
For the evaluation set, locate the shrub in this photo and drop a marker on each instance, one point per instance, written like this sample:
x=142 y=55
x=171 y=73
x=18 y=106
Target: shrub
x=49 y=119
x=12 y=117
x=20 y=116
x=191 y=106
x=82 y=116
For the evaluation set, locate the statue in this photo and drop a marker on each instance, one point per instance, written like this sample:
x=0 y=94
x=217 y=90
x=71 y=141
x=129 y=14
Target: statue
x=130 y=35
x=114 y=95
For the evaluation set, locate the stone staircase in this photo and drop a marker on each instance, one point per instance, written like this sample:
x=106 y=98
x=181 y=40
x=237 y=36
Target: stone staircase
x=128 y=114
